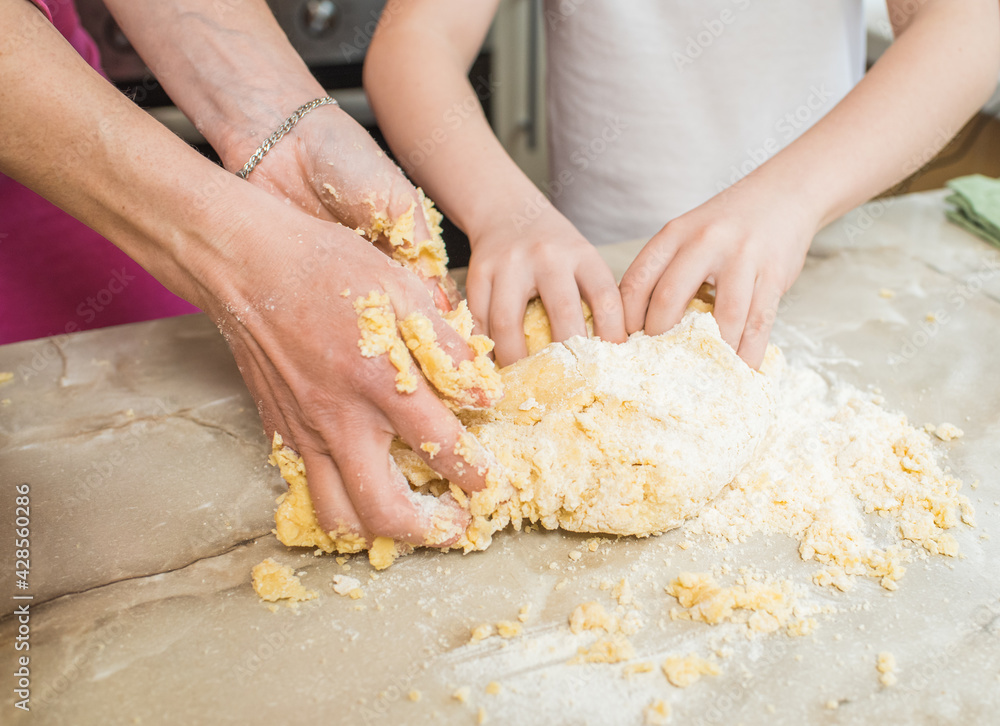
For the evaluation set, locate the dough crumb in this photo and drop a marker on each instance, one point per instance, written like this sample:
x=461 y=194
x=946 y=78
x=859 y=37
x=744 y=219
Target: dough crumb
x=832 y=705
x=431 y=447
x=377 y=324
x=886 y=293
x=682 y=671
x=481 y=716
x=538 y=331
x=762 y=606
x=575 y=555
x=885 y=664
x=656 y=713
x=622 y=592
x=610 y=649
x=523 y=613
x=383 y=553
x=946 y=431
x=493 y=688
x=462 y=694
x=592 y=616
x=472 y=383
x=6 y=376
x=344 y=585
x=635 y=668
x=274 y=582
x=481 y=632
x=414 y=695
x=508 y=629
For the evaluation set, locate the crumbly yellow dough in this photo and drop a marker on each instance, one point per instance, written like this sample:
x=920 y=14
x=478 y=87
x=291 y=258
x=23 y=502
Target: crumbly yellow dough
x=657 y=713
x=627 y=439
x=383 y=553
x=682 y=671
x=538 y=331
x=592 y=616
x=634 y=668
x=493 y=688
x=885 y=664
x=611 y=649
x=622 y=592
x=632 y=439
x=274 y=582
x=467 y=384
x=833 y=456
x=377 y=323
x=295 y=521
x=762 y=606
x=5 y=376
x=945 y=431
x=426 y=256
x=509 y=629
x=481 y=632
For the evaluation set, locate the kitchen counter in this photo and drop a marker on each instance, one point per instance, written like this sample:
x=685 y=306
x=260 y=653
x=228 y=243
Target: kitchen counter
x=151 y=500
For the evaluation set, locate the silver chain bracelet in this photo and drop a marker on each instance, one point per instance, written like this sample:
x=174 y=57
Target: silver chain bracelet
x=287 y=126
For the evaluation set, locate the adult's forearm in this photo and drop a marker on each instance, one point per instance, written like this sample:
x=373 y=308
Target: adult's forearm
x=71 y=137
x=929 y=82
x=227 y=65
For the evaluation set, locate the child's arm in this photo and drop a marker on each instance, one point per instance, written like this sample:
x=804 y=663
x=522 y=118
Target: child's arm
x=415 y=76
x=751 y=239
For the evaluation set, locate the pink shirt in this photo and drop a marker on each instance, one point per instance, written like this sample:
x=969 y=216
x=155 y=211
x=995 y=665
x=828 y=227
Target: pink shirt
x=56 y=274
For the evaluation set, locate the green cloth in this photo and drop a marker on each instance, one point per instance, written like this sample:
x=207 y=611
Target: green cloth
x=977 y=206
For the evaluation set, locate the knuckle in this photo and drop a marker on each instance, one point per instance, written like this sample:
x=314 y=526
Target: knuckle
x=662 y=296
x=501 y=325
x=759 y=323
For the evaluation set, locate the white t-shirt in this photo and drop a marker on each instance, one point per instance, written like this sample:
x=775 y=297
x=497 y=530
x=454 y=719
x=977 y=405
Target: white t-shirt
x=654 y=106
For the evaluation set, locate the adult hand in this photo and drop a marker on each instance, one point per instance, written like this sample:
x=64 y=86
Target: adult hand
x=748 y=242
x=331 y=168
x=281 y=285
x=548 y=258
x=288 y=315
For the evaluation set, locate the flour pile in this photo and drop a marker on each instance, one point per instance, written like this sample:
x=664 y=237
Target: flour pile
x=832 y=459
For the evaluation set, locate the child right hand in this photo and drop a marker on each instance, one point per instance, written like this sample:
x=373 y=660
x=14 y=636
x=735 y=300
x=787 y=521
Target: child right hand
x=547 y=258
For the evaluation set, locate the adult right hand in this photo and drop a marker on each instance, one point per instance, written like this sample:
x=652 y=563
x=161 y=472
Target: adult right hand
x=286 y=310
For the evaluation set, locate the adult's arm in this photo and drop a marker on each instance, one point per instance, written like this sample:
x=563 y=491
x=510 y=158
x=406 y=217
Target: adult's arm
x=230 y=68
x=275 y=280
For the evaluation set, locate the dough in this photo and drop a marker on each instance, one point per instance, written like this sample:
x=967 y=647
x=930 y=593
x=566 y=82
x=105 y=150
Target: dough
x=683 y=671
x=627 y=439
x=538 y=332
x=274 y=582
